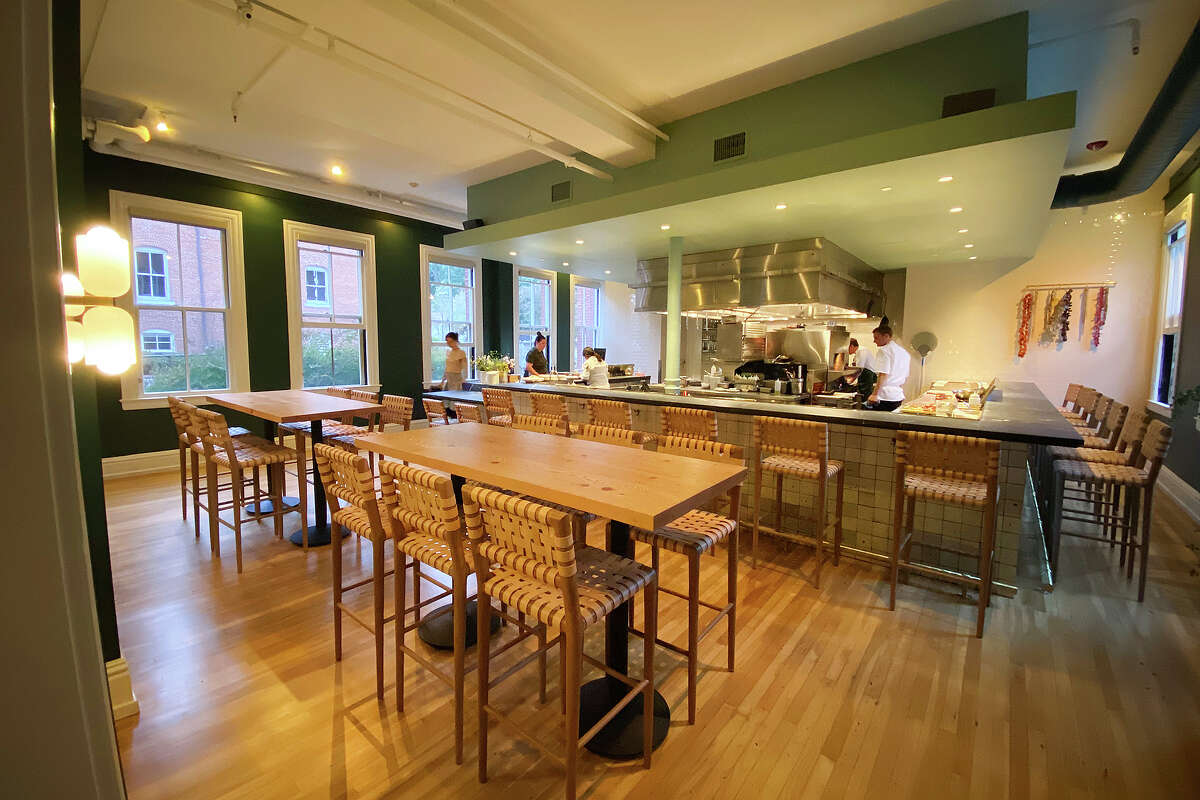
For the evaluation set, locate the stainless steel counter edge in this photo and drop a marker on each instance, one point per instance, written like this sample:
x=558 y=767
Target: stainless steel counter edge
x=1022 y=415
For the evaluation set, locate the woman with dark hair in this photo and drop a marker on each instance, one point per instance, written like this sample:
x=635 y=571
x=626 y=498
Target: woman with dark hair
x=595 y=370
x=456 y=363
x=535 y=359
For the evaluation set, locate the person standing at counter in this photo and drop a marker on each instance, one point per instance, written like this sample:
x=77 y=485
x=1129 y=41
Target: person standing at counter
x=595 y=369
x=891 y=365
x=456 y=364
x=535 y=359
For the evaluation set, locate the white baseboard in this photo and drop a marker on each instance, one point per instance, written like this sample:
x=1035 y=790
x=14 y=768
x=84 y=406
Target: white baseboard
x=140 y=464
x=120 y=689
x=1183 y=493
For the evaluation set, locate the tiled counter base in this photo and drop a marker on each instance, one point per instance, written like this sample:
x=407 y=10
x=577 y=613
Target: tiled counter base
x=945 y=535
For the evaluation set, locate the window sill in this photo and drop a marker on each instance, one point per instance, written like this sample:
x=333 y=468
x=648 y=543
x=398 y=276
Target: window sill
x=158 y=401
x=1161 y=409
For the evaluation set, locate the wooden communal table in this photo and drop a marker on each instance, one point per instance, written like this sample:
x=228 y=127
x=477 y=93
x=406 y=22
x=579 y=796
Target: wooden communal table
x=627 y=486
x=298 y=405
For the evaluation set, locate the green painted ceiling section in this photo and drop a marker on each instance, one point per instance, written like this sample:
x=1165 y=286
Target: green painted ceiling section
x=874 y=111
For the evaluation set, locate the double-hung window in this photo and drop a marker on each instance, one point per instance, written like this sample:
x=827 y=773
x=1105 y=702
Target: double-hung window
x=188 y=298
x=1174 y=271
x=450 y=285
x=585 y=319
x=332 y=330
x=535 y=310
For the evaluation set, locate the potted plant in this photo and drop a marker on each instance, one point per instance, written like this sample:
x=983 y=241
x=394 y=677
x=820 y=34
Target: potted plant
x=491 y=366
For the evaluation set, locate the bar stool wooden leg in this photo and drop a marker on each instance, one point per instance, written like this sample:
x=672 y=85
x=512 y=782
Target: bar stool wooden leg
x=214 y=514
x=910 y=516
x=758 y=476
x=377 y=590
x=1144 y=542
x=183 y=476
x=483 y=636
x=986 y=548
x=574 y=648
x=256 y=499
x=236 y=479
x=400 y=576
x=302 y=481
x=693 y=630
x=196 y=492
x=837 y=532
x=416 y=591
x=336 y=543
x=1131 y=533
x=277 y=497
x=460 y=655
x=820 y=517
x=651 y=610
x=897 y=533
x=779 y=501
x=734 y=502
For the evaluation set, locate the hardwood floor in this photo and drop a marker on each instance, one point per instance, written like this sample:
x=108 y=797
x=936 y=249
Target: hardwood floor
x=1077 y=693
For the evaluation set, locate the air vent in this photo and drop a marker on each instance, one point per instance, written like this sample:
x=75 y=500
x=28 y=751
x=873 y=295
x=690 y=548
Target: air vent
x=727 y=147
x=560 y=192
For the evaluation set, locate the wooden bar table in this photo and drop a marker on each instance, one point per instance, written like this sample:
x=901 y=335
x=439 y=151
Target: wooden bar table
x=298 y=405
x=627 y=486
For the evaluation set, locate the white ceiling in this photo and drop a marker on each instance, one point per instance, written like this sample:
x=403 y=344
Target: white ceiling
x=1004 y=190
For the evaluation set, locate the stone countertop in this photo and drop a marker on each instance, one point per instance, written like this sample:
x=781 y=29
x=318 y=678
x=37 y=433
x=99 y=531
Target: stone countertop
x=1020 y=414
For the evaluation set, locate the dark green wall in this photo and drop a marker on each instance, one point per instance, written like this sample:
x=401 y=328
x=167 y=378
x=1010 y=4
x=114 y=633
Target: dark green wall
x=397 y=272
x=498 y=308
x=72 y=215
x=1184 y=456
x=562 y=319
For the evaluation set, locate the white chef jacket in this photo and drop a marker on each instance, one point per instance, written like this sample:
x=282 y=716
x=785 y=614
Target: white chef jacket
x=892 y=360
x=595 y=373
x=864 y=359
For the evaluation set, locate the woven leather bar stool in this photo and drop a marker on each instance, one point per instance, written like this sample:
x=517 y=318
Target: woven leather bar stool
x=1109 y=432
x=245 y=453
x=794 y=448
x=1099 y=412
x=552 y=405
x=525 y=558
x=397 y=410
x=542 y=423
x=696 y=423
x=610 y=413
x=182 y=419
x=692 y=535
x=1068 y=403
x=498 y=406
x=1135 y=484
x=435 y=412
x=610 y=435
x=468 y=412
x=945 y=469
x=1085 y=401
x=354 y=506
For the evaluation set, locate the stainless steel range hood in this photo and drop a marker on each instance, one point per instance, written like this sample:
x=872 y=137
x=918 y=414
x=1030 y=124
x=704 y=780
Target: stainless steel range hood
x=809 y=273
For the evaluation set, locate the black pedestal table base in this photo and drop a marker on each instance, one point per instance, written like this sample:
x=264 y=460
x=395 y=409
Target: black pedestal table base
x=437 y=629
x=621 y=738
x=268 y=506
x=317 y=536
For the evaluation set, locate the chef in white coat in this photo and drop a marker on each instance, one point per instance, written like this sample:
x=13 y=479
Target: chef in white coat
x=595 y=369
x=891 y=365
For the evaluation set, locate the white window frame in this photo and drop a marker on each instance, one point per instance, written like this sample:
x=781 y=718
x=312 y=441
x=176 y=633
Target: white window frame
x=324 y=286
x=533 y=272
x=293 y=233
x=158 y=332
x=123 y=206
x=150 y=299
x=1182 y=213
x=576 y=359
x=440 y=256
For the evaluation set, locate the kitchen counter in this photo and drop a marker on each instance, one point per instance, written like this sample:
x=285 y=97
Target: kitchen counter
x=1019 y=412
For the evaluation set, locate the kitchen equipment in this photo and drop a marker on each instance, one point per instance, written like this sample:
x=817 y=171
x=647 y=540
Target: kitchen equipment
x=815 y=347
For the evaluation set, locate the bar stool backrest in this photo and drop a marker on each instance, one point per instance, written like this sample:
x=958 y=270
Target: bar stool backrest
x=213 y=430
x=791 y=437
x=468 y=412
x=1072 y=394
x=610 y=413
x=1132 y=433
x=1154 y=447
x=498 y=401
x=347 y=478
x=1114 y=420
x=434 y=410
x=1100 y=411
x=523 y=536
x=700 y=448
x=397 y=410
x=544 y=403
x=941 y=455
x=366 y=396
x=556 y=425
x=1086 y=400
x=610 y=435
x=422 y=502
x=197 y=427
x=179 y=415
x=696 y=423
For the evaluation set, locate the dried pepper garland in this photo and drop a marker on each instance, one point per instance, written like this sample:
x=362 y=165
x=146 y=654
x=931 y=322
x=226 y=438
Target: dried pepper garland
x=1025 y=325
x=1101 y=315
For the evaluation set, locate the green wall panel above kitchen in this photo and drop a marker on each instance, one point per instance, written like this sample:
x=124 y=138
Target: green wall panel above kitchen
x=900 y=89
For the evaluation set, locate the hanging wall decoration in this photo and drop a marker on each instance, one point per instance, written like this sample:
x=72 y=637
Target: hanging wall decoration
x=1024 y=323
x=1100 y=316
x=1063 y=313
x=1049 y=332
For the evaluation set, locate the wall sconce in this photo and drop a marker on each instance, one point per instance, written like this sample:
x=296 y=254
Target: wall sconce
x=104 y=337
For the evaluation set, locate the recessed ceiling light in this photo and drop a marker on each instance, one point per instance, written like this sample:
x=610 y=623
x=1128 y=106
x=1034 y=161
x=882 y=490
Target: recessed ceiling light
x=885 y=188
x=956 y=209
x=962 y=230
x=335 y=170
x=968 y=245
x=664 y=227
x=162 y=127
x=608 y=272
x=512 y=252
x=972 y=258
x=579 y=241
x=566 y=263
x=780 y=206
x=945 y=179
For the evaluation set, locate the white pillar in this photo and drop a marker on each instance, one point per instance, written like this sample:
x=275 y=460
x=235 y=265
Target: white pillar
x=674 y=304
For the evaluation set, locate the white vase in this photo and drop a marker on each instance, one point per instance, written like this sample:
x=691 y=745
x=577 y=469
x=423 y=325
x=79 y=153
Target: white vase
x=490 y=377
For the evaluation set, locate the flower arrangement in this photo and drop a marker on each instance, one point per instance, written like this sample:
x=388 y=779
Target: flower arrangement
x=1025 y=324
x=494 y=362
